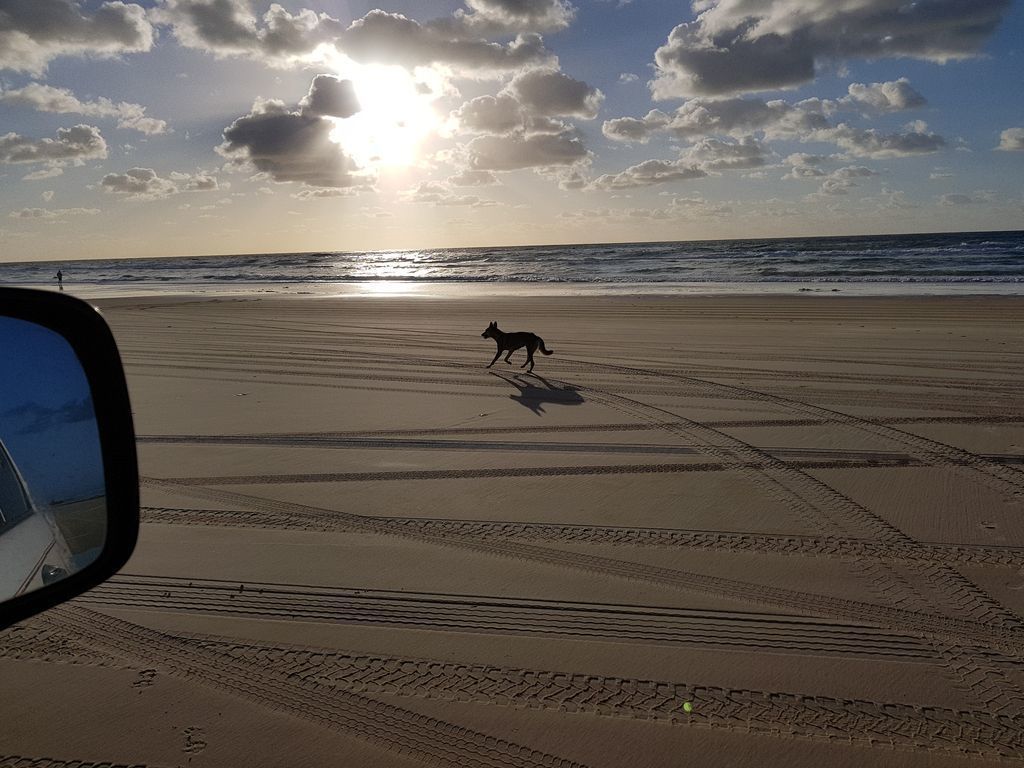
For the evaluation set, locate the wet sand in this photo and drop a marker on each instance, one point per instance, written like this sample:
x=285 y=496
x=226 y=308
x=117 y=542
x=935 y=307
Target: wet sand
x=717 y=530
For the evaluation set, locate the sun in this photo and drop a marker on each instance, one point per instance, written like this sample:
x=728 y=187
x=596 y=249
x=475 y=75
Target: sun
x=395 y=116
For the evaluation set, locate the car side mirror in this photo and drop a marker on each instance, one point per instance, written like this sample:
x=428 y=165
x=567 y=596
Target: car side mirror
x=69 y=482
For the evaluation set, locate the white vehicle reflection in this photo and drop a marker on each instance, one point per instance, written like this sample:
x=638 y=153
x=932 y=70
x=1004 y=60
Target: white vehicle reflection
x=33 y=549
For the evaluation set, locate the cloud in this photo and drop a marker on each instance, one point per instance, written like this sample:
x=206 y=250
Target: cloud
x=47 y=98
x=280 y=38
x=647 y=173
x=35 y=417
x=52 y=213
x=891 y=96
x=628 y=77
x=515 y=151
x=391 y=38
x=289 y=146
x=915 y=139
x=230 y=28
x=497 y=17
x=738 y=46
x=490 y=114
x=469 y=178
x=320 y=192
x=146 y=184
x=701 y=117
x=438 y=194
x=332 y=96
x=841 y=180
x=33 y=32
x=1011 y=140
x=73 y=146
x=715 y=155
x=955 y=199
x=551 y=93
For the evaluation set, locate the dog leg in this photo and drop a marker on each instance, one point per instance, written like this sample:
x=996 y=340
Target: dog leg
x=496 y=356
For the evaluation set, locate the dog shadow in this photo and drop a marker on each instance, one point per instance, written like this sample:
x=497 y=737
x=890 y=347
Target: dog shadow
x=534 y=396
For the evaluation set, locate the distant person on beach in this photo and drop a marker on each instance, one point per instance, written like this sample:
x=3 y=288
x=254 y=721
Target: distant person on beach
x=60 y=279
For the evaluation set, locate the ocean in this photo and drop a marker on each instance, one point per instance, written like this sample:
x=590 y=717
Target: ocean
x=969 y=262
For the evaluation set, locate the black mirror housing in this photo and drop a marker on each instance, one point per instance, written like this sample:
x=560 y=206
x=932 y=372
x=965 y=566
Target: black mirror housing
x=89 y=337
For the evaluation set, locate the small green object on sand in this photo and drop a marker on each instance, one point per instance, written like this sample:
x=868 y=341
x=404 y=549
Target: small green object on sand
x=687 y=707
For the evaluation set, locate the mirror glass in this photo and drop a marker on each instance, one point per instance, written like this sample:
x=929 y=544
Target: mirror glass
x=53 y=516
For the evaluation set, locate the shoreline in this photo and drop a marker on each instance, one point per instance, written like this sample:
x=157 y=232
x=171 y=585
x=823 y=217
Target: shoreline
x=484 y=289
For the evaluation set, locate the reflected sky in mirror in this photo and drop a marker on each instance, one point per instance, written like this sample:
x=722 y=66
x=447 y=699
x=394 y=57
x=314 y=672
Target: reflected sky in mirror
x=50 y=456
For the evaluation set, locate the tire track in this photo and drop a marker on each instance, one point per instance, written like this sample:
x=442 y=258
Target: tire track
x=1004 y=479
x=498 y=472
x=1004 y=639
x=829 y=512
x=386 y=726
x=719 y=541
x=20 y=761
x=856 y=721
x=646 y=625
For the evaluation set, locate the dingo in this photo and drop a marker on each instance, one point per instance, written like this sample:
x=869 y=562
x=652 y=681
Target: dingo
x=513 y=341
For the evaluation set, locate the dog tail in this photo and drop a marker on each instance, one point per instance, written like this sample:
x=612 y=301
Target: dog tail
x=544 y=349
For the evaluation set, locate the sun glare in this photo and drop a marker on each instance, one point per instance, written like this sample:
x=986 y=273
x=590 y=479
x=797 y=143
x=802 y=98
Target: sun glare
x=396 y=114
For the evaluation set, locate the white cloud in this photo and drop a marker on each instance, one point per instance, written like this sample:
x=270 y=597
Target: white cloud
x=628 y=77
x=892 y=96
x=497 y=17
x=715 y=154
x=34 y=32
x=647 y=173
x=47 y=98
x=146 y=184
x=955 y=199
x=48 y=214
x=1011 y=140
x=439 y=194
x=701 y=117
x=739 y=46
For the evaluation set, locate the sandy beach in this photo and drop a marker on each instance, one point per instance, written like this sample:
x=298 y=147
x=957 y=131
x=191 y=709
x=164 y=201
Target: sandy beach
x=712 y=531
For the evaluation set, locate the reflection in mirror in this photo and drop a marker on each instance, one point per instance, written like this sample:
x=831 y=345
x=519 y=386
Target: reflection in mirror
x=53 y=516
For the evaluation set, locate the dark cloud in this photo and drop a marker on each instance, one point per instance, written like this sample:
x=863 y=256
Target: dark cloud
x=329 y=95
x=72 y=146
x=551 y=93
x=289 y=146
x=738 y=46
x=490 y=114
x=391 y=38
x=146 y=184
x=230 y=28
x=31 y=418
x=916 y=139
x=515 y=151
x=33 y=32
x=473 y=179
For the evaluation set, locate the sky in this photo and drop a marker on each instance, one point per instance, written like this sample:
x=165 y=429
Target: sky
x=47 y=420
x=195 y=127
